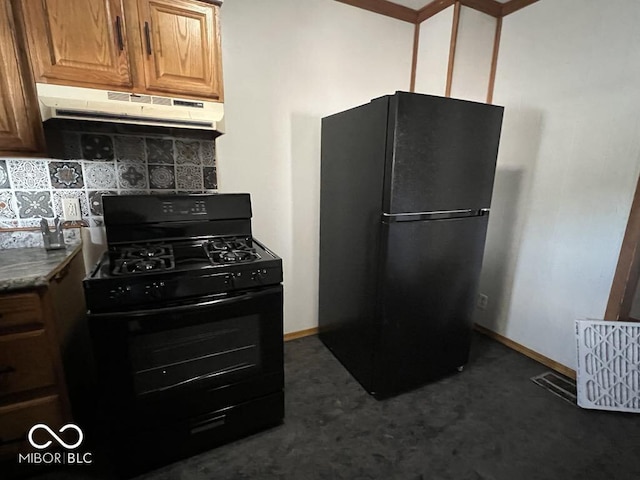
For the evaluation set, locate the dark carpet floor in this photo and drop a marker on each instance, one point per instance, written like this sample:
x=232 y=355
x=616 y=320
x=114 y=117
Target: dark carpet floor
x=489 y=422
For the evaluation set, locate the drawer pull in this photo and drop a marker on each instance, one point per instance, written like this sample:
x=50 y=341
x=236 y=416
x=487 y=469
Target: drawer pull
x=208 y=425
x=6 y=369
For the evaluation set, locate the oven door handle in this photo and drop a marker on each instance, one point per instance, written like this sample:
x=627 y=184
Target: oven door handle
x=227 y=300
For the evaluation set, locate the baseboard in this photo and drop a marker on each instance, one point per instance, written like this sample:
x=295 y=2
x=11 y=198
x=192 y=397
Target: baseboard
x=300 y=334
x=538 y=357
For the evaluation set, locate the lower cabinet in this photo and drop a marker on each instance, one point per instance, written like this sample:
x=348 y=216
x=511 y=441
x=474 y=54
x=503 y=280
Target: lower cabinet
x=35 y=330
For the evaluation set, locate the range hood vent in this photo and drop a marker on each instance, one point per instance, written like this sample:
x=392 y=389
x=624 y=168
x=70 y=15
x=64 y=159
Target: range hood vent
x=57 y=101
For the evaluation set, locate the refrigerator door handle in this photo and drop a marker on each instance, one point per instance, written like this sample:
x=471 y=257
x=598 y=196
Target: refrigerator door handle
x=442 y=215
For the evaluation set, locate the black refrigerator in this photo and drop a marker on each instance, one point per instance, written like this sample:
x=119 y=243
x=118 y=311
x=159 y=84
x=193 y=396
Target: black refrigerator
x=406 y=183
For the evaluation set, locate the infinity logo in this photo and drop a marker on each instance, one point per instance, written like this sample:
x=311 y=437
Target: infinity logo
x=53 y=434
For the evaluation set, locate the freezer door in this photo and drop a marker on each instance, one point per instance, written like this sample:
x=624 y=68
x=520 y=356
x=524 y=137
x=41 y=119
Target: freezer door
x=428 y=291
x=441 y=154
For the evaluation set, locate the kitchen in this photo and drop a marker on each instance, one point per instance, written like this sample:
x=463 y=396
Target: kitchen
x=288 y=64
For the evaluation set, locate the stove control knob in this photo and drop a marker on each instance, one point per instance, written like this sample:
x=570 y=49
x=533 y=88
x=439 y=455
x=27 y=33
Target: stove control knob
x=256 y=276
x=154 y=290
x=119 y=292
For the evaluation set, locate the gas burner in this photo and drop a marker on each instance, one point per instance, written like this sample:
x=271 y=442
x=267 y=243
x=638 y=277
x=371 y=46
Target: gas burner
x=235 y=256
x=142 y=265
x=230 y=250
x=145 y=251
x=135 y=259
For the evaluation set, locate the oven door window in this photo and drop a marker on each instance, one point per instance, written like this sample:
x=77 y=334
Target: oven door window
x=218 y=352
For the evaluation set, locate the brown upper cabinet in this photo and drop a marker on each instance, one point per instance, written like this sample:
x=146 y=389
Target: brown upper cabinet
x=20 y=124
x=78 y=41
x=181 y=44
x=141 y=46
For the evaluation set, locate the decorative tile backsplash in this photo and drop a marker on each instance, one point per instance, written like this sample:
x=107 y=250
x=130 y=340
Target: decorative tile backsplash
x=96 y=164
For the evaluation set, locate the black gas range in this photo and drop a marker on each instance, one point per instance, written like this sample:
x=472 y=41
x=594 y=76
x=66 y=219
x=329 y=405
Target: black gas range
x=185 y=315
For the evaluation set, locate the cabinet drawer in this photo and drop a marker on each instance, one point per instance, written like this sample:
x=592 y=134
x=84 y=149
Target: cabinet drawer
x=16 y=419
x=25 y=362
x=20 y=309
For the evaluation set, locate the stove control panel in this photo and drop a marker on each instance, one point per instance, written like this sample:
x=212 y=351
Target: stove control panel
x=184 y=207
x=252 y=278
x=143 y=291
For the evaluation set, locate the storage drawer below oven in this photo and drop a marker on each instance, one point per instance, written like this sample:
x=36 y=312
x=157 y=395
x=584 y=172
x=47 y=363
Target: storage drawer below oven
x=137 y=450
x=175 y=406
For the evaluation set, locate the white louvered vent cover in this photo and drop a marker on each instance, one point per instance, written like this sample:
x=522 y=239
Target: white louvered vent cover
x=123 y=97
x=161 y=101
x=608 y=365
x=140 y=98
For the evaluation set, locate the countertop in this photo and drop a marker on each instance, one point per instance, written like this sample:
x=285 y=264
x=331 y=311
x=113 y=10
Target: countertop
x=32 y=267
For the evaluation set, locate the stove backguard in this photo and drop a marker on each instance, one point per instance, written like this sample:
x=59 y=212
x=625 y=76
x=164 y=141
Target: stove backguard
x=145 y=218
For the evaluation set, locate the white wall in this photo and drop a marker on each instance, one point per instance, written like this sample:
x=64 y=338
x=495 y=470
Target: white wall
x=568 y=75
x=433 y=53
x=474 y=52
x=288 y=63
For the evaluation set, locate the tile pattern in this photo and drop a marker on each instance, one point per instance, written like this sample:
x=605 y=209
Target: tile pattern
x=100 y=175
x=189 y=177
x=66 y=175
x=132 y=175
x=208 y=152
x=129 y=148
x=72 y=147
x=159 y=150
x=95 y=201
x=188 y=152
x=7 y=205
x=100 y=162
x=34 y=204
x=161 y=176
x=96 y=147
x=4 y=174
x=6 y=223
x=210 y=178
x=28 y=174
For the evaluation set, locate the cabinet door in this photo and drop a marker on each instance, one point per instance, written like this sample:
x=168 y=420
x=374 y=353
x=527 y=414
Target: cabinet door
x=181 y=46
x=78 y=42
x=20 y=124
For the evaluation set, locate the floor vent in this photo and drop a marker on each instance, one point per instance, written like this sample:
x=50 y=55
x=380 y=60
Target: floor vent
x=559 y=385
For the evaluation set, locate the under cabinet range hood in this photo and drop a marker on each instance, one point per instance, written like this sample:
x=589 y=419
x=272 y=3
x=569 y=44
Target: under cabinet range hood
x=77 y=103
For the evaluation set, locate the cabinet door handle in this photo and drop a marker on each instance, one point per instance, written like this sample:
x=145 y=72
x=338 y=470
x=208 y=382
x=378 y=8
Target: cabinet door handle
x=119 y=33
x=147 y=36
x=6 y=369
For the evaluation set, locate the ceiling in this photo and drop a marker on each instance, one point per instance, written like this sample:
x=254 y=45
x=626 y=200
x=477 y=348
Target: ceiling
x=418 y=4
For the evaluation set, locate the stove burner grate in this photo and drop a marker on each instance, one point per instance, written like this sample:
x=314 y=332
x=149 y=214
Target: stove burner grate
x=230 y=250
x=135 y=258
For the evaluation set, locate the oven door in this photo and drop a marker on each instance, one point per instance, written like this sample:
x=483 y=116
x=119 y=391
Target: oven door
x=177 y=361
